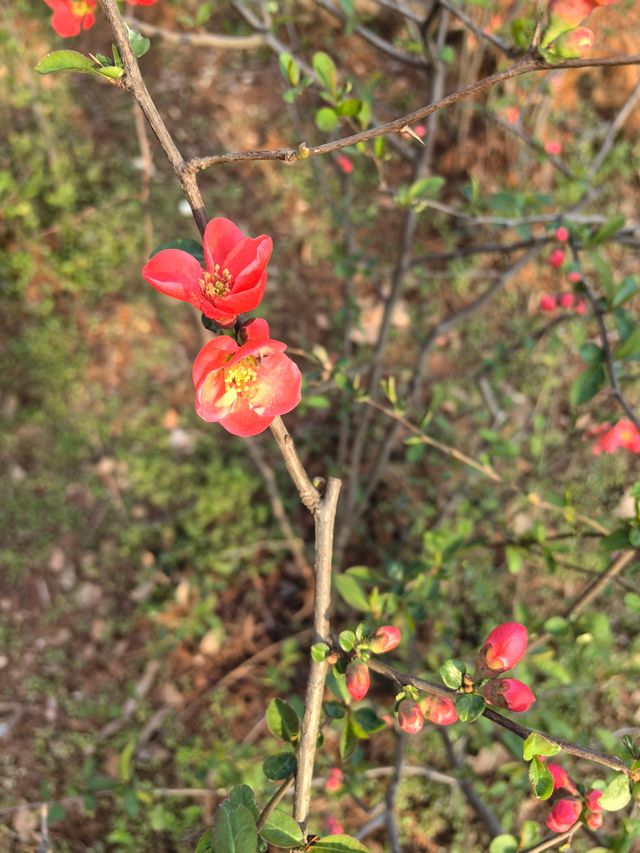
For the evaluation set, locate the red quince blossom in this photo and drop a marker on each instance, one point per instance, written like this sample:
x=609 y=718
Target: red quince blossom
x=563 y=815
x=561 y=778
x=566 y=300
x=245 y=387
x=420 y=130
x=386 y=638
x=70 y=17
x=574 y=277
x=439 y=710
x=233 y=281
x=624 y=434
x=503 y=648
x=556 y=258
x=548 y=303
x=334 y=780
x=508 y=693
x=344 y=163
x=358 y=679
x=581 y=307
x=561 y=234
x=410 y=716
x=554 y=149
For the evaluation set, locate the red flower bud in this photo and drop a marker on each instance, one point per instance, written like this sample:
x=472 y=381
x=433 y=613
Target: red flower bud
x=548 y=303
x=581 y=307
x=410 y=716
x=508 y=693
x=439 y=710
x=387 y=637
x=553 y=149
x=503 y=648
x=574 y=277
x=556 y=258
x=563 y=815
x=566 y=300
x=560 y=778
x=562 y=234
x=592 y=798
x=358 y=680
x=333 y=827
x=594 y=820
x=344 y=163
x=334 y=780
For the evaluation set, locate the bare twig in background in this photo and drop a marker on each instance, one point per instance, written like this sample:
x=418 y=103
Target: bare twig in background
x=478 y=31
x=616 y=126
x=391 y=793
x=214 y=40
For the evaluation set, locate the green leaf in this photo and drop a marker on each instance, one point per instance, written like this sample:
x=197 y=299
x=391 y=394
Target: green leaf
x=591 y=353
x=426 y=187
x=113 y=72
x=616 y=795
x=630 y=347
x=365 y=722
x=139 y=44
x=204 y=843
x=585 y=386
x=504 y=844
x=469 y=707
x=541 y=779
x=334 y=710
x=124 y=761
x=609 y=229
x=283 y=721
x=66 y=60
x=326 y=119
x=319 y=652
x=324 y=67
x=289 y=68
x=234 y=829
x=348 y=738
x=338 y=844
x=279 y=766
x=281 y=830
x=350 y=107
x=556 y=625
x=351 y=591
x=185 y=245
x=515 y=559
x=537 y=744
x=346 y=640
x=632 y=601
x=244 y=795
x=626 y=290
x=452 y=672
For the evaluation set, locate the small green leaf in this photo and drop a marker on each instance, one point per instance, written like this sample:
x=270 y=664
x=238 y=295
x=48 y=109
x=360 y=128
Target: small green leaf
x=426 y=187
x=541 y=779
x=244 y=795
x=113 y=72
x=350 y=107
x=504 y=844
x=348 y=738
x=537 y=744
x=469 y=707
x=616 y=795
x=289 y=68
x=352 y=592
x=452 y=672
x=66 y=60
x=591 y=353
x=204 y=844
x=185 y=245
x=279 y=766
x=283 y=721
x=319 y=652
x=325 y=68
x=365 y=722
x=586 y=385
x=139 y=44
x=626 y=290
x=124 y=761
x=556 y=625
x=281 y=830
x=338 y=844
x=334 y=710
x=326 y=119
x=630 y=347
x=515 y=559
x=632 y=601
x=346 y=640
x=234 y=829
x=609 y=229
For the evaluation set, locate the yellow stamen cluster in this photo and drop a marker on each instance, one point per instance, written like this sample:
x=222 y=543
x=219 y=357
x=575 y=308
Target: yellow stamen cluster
x=242 y=377
x=217 y=283
x=80 y=8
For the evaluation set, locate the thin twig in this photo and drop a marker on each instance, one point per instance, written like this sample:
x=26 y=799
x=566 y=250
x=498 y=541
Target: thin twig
x=478 y=31
x=308 y=493
x=616 y=125
x=554 y=840
x=219 y=42
x=273 y=802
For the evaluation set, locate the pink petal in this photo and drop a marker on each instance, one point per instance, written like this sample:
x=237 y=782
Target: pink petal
x=279 y=388
x=246 y=300
x=212 y=356
x=244 y=421
x=255 y=330
x=247 y=261
x=175 y=273
x=65 y=24
x=220 y=236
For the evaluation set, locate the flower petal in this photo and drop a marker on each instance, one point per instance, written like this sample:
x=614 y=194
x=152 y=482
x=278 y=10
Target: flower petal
x=175 y=273
x=65 y=24
x=212 y=356
x=220 y=236
x=244 y=421
x=247 y=261
x=245 y=300
x=279 y=388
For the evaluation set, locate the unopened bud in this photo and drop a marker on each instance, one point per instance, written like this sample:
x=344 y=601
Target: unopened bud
x=574 y=44
x=386 y=638
x=503 y=648
x=358 y=680
x=410 y=716
x=563 y=815
x=439 y=710
x=508 y=693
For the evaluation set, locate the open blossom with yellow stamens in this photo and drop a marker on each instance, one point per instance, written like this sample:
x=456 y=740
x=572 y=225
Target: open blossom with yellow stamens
x=234 y=277
x=70 y=17
x=245 y=387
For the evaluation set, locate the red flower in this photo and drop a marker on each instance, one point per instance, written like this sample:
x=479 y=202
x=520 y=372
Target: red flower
x=244 y=388
x=410 y=716
x=503 y=648
x=358 y=680
x=561 y=779
x=508 y=693
x=439 y=710
x=563 y=815
x=561 y=234
x=70 y=17
x=623 y=434
x=234 y=278
x=344 y=163
x=581 y=307
x=593 y=816
x=386 y=638
x=566 y=300
x=548 y=303
x=334 y=780
x=554 y=149
x=574 y=277
x=556 y=258
x=333 y=826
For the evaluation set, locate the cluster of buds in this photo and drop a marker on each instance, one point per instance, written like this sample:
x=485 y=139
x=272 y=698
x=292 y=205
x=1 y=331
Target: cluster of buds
x=502 y=650
x=564 y=36
x=362 y=644
x=568 y=810
x=551 y=302
x=412 y=710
